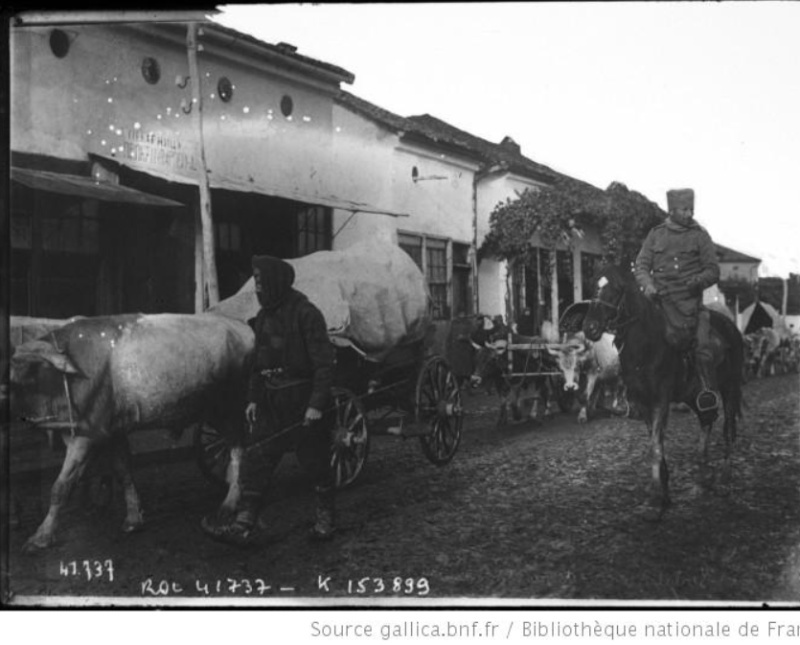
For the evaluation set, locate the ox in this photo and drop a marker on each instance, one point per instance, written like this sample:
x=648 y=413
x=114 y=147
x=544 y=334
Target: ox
x=598 y=362
x=762 y=349
x=98 y=379
x=492 y=371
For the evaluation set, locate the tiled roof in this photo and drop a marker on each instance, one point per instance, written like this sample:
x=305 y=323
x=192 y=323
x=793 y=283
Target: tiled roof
x=505 y=155
x=282 y=48
x=726 y=254
x=435 y=130
x=391 y=120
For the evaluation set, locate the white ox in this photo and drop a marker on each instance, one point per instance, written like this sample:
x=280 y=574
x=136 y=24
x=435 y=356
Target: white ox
x=598 y=362
x=99 y=379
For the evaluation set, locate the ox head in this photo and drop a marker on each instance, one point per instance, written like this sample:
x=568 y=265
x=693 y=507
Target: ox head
x=605 y=304
x=569 y=356
x=490 y=363
x=36 y=392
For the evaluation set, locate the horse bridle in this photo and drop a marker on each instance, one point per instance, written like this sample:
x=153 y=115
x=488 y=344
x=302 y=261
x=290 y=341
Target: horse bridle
x=614 y=323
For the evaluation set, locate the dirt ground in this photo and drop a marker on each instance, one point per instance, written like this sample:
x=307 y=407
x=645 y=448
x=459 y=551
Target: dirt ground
x=526 y=512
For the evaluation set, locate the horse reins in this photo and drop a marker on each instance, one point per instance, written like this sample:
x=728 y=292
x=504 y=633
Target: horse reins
x=615 y=323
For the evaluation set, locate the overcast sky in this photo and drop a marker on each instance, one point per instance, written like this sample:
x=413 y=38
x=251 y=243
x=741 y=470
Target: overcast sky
x=656 y=95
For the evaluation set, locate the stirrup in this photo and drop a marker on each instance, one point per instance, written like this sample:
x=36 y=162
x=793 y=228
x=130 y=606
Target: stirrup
x=707 y=400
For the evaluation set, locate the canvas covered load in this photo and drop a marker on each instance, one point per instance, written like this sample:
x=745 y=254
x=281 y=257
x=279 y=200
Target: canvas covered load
x=372 y=294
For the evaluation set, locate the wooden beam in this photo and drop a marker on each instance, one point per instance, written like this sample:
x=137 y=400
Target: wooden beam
x=206 y=219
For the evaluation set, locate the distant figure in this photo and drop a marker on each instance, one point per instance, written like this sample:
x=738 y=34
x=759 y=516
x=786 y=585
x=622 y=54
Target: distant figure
x=526 y=325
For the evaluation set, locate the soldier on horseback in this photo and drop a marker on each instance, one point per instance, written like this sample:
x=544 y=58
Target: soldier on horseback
x=676 y=263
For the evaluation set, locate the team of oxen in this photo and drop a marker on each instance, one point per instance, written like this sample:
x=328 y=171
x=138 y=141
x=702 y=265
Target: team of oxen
x=97 y=379
x=548 y=371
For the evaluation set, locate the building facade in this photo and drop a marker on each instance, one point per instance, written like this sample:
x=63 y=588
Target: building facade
x=110 y=138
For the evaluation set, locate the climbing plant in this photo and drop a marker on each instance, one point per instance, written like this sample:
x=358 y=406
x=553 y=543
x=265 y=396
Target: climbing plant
x=558 y=214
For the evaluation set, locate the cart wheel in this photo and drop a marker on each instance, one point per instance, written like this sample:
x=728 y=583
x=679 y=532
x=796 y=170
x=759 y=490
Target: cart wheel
x=212 y=452
x=350 y=438
x=438 y=406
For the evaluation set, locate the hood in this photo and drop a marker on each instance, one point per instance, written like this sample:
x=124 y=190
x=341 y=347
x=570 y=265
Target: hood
x=274 y=280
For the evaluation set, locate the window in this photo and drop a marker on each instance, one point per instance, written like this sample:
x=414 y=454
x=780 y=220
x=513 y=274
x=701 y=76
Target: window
x=228 y=236
x=447 y=269
x=412 y=244
x=55 y=247
x=436 y=251
x=313 y=230
x=462 y=280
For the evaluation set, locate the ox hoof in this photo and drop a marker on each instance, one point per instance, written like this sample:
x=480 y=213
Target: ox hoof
x=225 y=514
x=37 y=545
x=132 y=526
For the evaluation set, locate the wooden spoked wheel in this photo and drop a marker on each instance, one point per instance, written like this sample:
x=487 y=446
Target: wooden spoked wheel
x=350 y=438
x=438 y=408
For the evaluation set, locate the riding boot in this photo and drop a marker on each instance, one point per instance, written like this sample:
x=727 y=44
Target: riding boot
x=708 y=398
x=324 y=513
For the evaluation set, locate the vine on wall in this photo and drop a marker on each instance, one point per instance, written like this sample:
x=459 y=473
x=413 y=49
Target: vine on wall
x=558 y=214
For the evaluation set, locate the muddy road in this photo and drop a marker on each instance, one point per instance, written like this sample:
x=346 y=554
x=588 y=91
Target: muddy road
x=526 y=512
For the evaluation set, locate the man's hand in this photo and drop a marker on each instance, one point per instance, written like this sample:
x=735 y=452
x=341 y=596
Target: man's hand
x=312 y=415
x=250 y=414
x=650 y=291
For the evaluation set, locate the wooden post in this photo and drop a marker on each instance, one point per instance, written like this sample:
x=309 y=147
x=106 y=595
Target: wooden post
x=785 y=298
x=199 y=272
x=206 y=220
x=539 y=292
x=554 y=287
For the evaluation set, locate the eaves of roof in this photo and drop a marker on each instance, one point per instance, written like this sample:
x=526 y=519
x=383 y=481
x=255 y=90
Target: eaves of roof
x=383 y=117
x=726 y=254
x=282 y=49
x=252 y=49
x=428 y=129
x=441 y=131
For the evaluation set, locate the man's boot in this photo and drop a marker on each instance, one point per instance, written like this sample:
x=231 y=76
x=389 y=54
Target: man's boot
x=324 y=513
x=708 y=398
x=240 y=531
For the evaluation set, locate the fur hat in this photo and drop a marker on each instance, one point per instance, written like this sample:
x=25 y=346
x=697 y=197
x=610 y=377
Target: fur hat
x=680 y=198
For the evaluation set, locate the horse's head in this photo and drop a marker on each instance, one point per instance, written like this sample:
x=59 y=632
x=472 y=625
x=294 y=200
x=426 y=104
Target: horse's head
x=604 y=310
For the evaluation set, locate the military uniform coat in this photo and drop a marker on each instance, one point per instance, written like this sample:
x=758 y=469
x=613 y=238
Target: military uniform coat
x=680 y=261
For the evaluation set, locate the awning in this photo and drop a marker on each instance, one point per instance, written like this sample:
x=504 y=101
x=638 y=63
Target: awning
x=80 y=186
x=224 y=183
x=331 y=201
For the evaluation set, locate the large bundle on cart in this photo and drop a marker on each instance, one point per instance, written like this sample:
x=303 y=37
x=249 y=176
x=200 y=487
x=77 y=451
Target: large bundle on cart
x=375 y=301
x=372 y=295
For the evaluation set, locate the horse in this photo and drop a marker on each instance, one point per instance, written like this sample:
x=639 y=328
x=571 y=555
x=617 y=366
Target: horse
x=656 y=374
